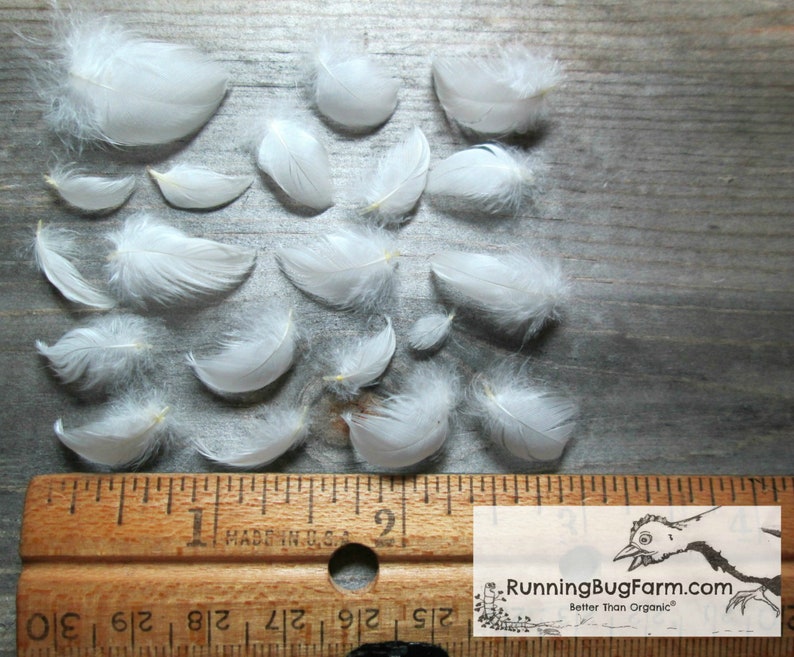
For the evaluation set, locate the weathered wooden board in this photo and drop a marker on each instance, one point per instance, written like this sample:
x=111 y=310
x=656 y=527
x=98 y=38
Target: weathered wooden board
x=667 y=196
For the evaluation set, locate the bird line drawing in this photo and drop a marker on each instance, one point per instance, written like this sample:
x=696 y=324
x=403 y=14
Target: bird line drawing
x=654 y=539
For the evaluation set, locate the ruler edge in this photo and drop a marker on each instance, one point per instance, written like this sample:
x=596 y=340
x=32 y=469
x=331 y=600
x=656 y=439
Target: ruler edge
x=785 y=642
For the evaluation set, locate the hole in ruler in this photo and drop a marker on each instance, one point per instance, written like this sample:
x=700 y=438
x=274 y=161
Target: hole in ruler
x=353 y=567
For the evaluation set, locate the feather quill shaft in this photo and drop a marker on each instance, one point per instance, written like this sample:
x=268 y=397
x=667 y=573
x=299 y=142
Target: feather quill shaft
x=265 y=439
x=153 y=261
x=393 y=191
x=197 y=188
x=298 y=163
x=107 y=351
x=350 y=269
x=252 y=358
x=52 y=248
x=351 y=88
x=128 y=433
x=529 y=421
x=89 y=193
x=496 y=95
x=489 y=177
x=361 y=362
x=409 y=427
x=519 y=292
x=105 y=82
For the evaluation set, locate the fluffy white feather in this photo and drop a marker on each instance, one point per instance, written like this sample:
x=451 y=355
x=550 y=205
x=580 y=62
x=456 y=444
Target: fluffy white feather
x=519 y=292
x=489 y=177
x=265 y=439
x=408 y=427
x=108 y=351
x=351 y=88
x=153 y=261
x=128 y=433
x=298 y=163
x=252 y=358
x=195 y=187
x=351 y=269
x=392 y=192
x=529 y=421
x=430 y=331
x=361 y=362
x=90 y=193
x=498 y=94
x=104 y=82
x=52 y=248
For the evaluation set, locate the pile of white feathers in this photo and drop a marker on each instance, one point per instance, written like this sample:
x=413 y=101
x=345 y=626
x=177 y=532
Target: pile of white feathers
x=104 y=83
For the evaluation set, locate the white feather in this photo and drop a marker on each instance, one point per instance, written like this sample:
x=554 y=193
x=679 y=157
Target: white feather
x=107 y=83
x=52 y=248
x=153 y=261
x=528 y=421
x=298 y=163
x=351 y=269
x=195 y=187
x=496 y=95
x=107 y=351
x=252 y=358
x=519 y=292
x=430 y=331
x=489 y=177
x=351 y=88
x=265 y=439
x=128 y=433
x=409 y=427
x=361 y=362
x=392 y=192
x=90 y=193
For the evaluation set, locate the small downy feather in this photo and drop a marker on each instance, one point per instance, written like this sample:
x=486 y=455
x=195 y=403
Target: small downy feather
x=429 y=332
x=265 y=439
x=153 y=261
x=350 y=269
x=519 y=292
x=90 y=193
x=496 y=95
x=529 y=421
x=361 y=362
x=253 y=357
x=108 y=351
x=197 y=188
x=128 y=433
x=52 y=248
x=351 y=88
x=489 y=177
x=297 y=162
x=392 y=192
x=409 y=427
x=104 y=82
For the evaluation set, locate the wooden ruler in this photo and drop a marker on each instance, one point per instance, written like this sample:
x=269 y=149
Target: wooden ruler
x=212 y=564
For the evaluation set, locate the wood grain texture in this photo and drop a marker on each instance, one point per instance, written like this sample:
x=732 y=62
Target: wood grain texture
x=171 y=548
x=668 y=197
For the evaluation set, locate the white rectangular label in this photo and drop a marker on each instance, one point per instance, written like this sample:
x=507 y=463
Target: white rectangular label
x=627 y=571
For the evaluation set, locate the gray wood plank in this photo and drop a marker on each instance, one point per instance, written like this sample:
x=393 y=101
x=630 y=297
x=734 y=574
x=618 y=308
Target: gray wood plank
x=667 y=196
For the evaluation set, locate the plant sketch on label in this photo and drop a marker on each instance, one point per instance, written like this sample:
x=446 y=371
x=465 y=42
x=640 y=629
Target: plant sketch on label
x=495 y=617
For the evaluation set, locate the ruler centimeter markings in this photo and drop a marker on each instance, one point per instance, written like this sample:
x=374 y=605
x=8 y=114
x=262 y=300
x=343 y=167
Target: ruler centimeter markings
x=211 y=564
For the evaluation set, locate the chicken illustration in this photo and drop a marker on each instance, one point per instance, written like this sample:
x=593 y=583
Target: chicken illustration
x=654 y=539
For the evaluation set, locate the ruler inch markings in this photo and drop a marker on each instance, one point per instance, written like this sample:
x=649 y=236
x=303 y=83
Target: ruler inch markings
x=122 y=494
x=142 y=529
